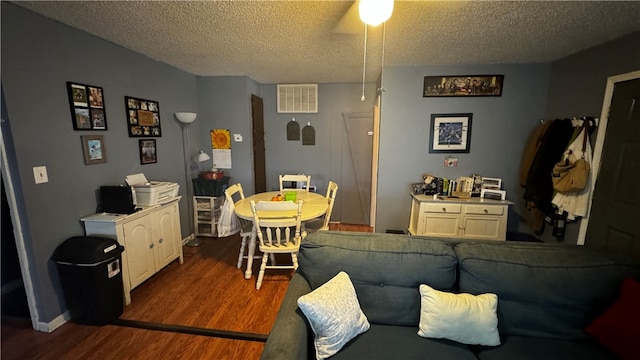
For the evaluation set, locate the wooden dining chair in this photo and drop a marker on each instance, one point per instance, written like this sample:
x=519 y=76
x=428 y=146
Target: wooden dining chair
x=322 y=223
x=277 y=226
x=285 y=182
x=233 y=194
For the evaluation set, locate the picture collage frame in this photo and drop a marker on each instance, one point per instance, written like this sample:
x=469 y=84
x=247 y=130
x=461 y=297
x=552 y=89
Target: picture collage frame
x=143 y=117
x=87 y=106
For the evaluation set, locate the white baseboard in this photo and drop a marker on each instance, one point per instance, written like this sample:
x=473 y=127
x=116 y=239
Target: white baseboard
x=53 y=324
x=187 y=239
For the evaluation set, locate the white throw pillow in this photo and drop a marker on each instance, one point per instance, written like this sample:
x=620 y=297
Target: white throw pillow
x=465 y=318
x=334 y=313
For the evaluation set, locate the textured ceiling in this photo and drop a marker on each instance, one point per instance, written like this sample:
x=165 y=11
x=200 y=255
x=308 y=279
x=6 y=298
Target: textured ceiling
x=322 y=41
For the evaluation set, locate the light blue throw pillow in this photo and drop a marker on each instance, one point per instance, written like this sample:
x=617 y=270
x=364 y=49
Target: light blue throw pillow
x=465 y=318
x=334 y=313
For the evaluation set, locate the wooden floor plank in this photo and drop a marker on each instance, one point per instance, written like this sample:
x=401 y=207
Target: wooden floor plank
x=207 y=290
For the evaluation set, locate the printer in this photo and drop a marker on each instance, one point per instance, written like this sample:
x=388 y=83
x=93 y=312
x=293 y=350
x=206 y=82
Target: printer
x=149 y=193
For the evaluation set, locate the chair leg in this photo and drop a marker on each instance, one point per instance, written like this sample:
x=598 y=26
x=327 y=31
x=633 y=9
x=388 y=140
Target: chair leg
x=273 y=259
x=263 y=266
x=241 y=255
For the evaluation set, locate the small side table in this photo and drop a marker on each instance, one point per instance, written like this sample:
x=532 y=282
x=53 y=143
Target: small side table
x=207 y=200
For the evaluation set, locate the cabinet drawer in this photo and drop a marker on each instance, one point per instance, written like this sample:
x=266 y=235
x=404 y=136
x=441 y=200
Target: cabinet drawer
x=484 y=210
x=204 y=215
x=441 y=208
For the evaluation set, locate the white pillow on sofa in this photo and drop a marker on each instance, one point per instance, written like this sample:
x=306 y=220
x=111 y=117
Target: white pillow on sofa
x=334 y=313
x=465 y=318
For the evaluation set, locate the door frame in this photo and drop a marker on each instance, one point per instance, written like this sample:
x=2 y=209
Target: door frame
x=18 y=233
x=600 y=136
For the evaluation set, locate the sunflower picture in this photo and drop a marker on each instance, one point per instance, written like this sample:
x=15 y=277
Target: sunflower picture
x=220 y=139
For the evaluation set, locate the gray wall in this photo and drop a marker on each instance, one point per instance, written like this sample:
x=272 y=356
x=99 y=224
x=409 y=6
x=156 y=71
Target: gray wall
x=577 y=89
x=38 y=57
x=225 y=103
x=499 y=129
x=323 y=161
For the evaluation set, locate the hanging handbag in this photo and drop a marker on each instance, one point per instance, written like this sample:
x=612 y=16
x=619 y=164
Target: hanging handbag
x=570 y=174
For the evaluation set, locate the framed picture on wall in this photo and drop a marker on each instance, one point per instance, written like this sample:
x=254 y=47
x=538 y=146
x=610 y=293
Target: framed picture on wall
x=462 y=85
x=87 y=106
x=93 y=149
x=148 y=154
x=450 y=133
x=143 y=117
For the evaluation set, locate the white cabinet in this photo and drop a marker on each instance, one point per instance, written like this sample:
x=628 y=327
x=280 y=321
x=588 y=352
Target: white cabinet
x=474 y=218
x=206 y=213
x=151 y=238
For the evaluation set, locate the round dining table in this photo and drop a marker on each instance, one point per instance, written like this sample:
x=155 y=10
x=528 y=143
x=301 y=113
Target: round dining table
x=313 y=206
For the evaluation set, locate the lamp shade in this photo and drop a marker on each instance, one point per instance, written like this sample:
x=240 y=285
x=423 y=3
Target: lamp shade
x=375 y=12
x=203 y=156
x=186 y=117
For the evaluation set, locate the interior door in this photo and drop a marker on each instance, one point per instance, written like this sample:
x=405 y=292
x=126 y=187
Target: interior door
x=613 y=221
x=257 y=118
x=355 y=189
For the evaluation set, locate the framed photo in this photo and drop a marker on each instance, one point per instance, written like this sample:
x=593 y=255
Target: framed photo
x=87 y=106
x=462 y=85
x=143 y=117
x=93 y=149
x=450 y=133
x=148 y=154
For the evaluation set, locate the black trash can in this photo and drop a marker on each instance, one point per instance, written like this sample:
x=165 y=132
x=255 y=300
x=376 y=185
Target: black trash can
x=89 y=269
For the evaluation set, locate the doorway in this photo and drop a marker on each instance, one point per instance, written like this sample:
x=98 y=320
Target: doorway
x=257 y=119
x=610 y=224
x=14 y=297
x=357 y=158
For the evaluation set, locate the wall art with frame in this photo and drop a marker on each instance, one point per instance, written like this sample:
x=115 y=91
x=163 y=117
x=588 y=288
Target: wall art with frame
x=450 y=133
x=143 y=117
x=462 y=85
x=93 y=149
x=87 y=106
x=148 y=151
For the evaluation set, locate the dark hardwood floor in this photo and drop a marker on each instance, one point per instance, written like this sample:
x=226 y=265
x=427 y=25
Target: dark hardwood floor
x=207 y=291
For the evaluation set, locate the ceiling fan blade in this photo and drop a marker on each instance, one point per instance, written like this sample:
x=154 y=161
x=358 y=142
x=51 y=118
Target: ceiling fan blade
x=350 y=22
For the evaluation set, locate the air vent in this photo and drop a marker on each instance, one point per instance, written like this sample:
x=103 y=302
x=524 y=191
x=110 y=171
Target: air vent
x=297 y=98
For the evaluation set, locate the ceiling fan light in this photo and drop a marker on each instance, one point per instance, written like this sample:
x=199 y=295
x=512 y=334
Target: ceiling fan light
x=375 y=12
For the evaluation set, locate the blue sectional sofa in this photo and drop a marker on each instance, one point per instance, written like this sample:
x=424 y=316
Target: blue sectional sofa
x=547 y=294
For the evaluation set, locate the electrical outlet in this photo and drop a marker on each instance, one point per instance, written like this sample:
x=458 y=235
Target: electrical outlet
x=237 y=137
x=40 y=174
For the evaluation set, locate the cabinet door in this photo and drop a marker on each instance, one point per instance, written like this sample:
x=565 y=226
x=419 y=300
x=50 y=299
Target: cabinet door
x=440 y=225
x=138 y=243
x=167 y=237
x=482 y=227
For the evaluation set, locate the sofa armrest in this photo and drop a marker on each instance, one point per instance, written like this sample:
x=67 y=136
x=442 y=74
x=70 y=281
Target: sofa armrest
x=291 y=333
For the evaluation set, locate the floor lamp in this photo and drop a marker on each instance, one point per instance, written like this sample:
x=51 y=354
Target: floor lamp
x=185 y=119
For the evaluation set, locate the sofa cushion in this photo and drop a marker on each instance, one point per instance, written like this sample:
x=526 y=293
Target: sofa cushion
x=543 y=290
x=465 y=318
x=334 y=314
x=618 y=328
x=401 y=342
x=386 y=270
x=535 y=348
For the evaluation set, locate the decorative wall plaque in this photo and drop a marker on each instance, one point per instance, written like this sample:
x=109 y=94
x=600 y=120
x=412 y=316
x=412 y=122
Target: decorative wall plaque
x=308 y=135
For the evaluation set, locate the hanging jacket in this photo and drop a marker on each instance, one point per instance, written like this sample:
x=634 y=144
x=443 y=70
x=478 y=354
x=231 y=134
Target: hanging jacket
x=576 y=203
x=539 y=187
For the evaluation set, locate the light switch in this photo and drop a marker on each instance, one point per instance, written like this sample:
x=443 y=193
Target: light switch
x=40 y=174
x=237 y=137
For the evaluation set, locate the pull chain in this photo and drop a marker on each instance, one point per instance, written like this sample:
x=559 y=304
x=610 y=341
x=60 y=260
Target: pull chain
x=364 y=62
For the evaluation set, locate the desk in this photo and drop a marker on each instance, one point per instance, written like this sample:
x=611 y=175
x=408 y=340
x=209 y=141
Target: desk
x=315 y=205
